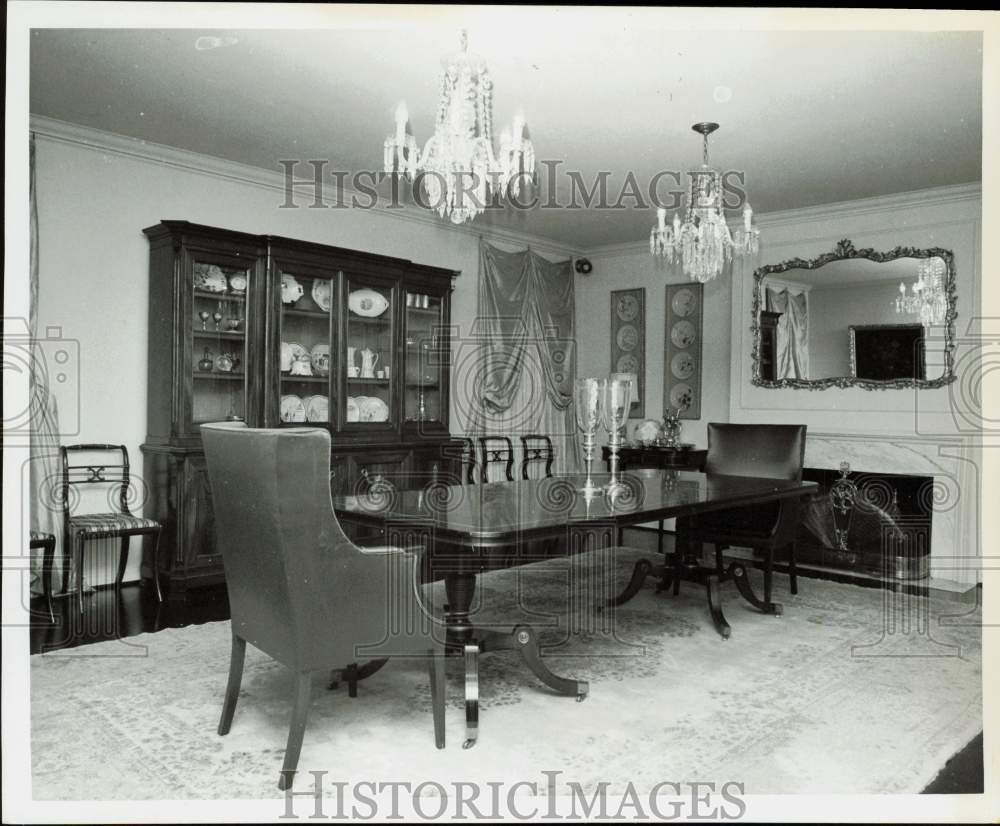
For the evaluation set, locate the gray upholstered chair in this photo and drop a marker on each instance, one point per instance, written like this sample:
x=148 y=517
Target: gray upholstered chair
x=299 y=589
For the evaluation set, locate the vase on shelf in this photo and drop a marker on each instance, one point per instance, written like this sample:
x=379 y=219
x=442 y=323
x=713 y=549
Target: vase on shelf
x=671 y=428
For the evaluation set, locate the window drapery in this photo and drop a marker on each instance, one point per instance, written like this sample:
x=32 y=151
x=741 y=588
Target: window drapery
x=527 y=351
x=792 y=333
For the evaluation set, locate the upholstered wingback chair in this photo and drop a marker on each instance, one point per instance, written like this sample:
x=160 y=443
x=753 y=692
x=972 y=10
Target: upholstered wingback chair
x=299 y=589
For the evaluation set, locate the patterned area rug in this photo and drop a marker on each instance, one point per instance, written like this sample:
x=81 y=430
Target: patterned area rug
x=853 y=690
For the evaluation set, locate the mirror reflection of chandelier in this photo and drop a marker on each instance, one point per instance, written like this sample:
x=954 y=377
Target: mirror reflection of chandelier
x=703 y=241
x=927 y=298
x=458 y=168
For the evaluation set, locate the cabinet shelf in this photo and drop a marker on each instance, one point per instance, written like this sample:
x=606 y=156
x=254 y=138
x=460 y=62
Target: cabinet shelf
x=384 y=320
x=226 y=334
x=285 y=377
x=220 y=376
x=423 y=385
x=305 y=313
x=220 y=296
x=369 y=381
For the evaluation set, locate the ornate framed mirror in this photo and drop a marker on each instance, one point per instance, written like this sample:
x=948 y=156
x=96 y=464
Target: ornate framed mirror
x=856 y=318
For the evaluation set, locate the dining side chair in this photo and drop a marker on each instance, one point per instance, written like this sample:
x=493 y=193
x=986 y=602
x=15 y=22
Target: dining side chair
x=496 y=450
x=536 y=449
x=88 y=464
x=46 y=542
x=468 y=461
x=299 y=589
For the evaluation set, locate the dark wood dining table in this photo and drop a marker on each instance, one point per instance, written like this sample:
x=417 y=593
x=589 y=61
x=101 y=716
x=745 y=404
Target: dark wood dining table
x=466 y=530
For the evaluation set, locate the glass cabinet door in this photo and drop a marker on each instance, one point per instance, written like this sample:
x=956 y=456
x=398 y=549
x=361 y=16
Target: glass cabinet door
x=370 y=354
x=308 y=305
x=424 y=379
x=219 y=341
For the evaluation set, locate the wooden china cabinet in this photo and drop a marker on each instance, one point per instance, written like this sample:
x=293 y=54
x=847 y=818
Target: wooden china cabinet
x=286 y=333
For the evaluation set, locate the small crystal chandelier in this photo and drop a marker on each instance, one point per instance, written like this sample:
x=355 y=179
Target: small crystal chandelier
x=458 y=168
x=927 y=298
x=703 y=240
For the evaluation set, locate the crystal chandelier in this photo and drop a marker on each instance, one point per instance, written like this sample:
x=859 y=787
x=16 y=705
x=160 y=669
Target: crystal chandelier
x=927 y=298
x=458 y=167
x=703 y=240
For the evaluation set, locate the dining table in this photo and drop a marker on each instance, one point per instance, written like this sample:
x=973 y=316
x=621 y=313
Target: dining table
x=467 y=530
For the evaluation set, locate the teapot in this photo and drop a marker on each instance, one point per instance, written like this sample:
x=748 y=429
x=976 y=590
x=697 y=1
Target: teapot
x=368 y=361
x=302 y=365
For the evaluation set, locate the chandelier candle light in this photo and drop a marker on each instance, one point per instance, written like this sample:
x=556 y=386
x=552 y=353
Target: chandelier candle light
x=703 y=240
x=927 y=299
x=459 y=170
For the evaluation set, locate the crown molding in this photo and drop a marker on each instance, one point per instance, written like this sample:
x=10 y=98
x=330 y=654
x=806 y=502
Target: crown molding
x=221 y=168
x=952 y=194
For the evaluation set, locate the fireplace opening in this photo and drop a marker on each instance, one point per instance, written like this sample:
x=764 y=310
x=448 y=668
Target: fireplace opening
x=872 y=523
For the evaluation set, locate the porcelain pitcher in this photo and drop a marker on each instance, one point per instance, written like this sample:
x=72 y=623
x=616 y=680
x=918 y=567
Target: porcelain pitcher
x=368 y=361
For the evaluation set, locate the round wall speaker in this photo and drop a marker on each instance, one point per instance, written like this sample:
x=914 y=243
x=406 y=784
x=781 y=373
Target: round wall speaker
x=583 y=266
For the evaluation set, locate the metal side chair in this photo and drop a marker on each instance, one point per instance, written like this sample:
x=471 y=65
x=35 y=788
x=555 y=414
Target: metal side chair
x=299 y=589
x=92 y=469
x=534 y=450
x=47 y=542
x=495 y=450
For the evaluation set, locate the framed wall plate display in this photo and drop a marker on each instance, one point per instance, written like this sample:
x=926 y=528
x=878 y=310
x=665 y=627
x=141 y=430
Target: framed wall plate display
x=682 y=344
x=628 y=342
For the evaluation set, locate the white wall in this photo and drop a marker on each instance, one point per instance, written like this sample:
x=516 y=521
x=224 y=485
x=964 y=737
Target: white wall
x=96 y=193
x=625 y=267
x=936 y=431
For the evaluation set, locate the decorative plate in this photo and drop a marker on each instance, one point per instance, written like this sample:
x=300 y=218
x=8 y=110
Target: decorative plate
x=373 y=409
x=292 y=409
x=367 y=303
x=238 y=283
x=209 y=278
x=682 y=365
x=290 y=351
x=683 y=334
x=352 y=409
x=628 y=337
x=683 y=303
x=628 y=308
x=681 y=395
x=317 y=408
x=322 y=293
x=627 y=364
x=291 y=289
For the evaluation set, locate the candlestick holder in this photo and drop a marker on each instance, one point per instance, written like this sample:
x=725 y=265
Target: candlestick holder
x=589 y=396
x=617 y=399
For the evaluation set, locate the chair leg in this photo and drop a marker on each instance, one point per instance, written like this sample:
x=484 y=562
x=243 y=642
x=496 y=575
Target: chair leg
x=236 y=659
x=300 y=712
x=122 y=561
x=48 y=556
x=768 y=573
x=156 y=564
x=793 y=580
x=471 y=652
x=436 y=663
x=78 y=541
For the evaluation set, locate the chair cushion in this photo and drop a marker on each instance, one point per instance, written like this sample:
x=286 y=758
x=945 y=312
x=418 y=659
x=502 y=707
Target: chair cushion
x=110 y=523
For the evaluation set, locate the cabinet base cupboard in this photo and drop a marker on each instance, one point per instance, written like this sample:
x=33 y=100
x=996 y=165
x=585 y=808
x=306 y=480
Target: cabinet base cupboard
x=284 y=333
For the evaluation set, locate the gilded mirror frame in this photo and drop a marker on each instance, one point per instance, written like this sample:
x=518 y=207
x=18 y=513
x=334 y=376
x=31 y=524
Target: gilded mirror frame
x=845 y=250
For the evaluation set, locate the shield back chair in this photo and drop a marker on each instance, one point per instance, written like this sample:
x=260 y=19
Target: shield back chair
x=87 y=464
x=536 y=450
x=468 y=462
x=299 y=589
x=495 y=450
x=770 y=451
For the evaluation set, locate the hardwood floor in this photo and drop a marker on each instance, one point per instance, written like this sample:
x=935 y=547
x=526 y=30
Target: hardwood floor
x=135 y=610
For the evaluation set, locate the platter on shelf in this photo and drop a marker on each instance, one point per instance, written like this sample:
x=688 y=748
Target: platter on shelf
x=367 y=302
x=322 y=294
x=352 y=409
x=292 y=409
x=291 y=289
x=367 y=409
x=290 y=352
x=317 y=408
x=209 y=277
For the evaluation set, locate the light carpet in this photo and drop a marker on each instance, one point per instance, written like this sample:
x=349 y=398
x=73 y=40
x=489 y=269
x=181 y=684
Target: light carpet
x=853 y=690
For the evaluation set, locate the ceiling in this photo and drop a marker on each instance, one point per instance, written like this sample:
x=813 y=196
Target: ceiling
x=810 y=117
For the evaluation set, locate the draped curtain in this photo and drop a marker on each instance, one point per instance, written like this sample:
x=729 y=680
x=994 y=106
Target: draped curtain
x=45 y=507
x=527 y=351
x=792 y=334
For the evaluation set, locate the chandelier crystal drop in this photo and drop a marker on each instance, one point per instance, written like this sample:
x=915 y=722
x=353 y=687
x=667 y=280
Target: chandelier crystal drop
x=927 y=298
x=703 y=240
x=459 y=169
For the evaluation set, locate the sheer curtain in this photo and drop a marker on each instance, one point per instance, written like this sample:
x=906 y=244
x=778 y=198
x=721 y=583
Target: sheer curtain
x=792 y=334
x=44 y=469
x=526 y=359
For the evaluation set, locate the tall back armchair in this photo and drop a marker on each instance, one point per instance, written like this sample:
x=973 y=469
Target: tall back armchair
x=299 y=589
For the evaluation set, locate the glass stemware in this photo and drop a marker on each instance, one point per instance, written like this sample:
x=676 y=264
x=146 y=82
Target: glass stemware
x=617 y=401
x=217 y=317
x=589 y=398
x=204 y=315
